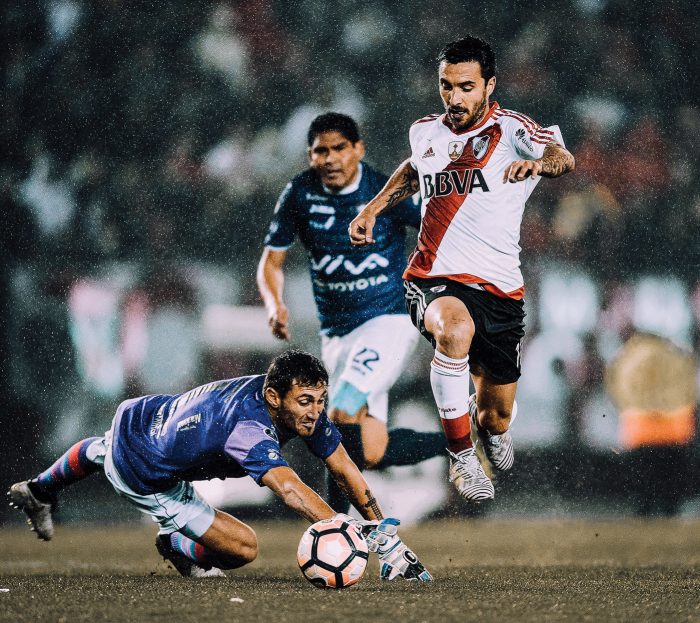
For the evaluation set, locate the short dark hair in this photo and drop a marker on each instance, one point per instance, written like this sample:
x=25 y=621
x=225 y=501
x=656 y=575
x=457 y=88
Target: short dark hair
x=470 y=49
x=334 y=122
x=295 y=365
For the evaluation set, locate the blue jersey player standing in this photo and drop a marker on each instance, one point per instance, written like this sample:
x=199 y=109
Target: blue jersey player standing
x=159 y=444
x=367 y=336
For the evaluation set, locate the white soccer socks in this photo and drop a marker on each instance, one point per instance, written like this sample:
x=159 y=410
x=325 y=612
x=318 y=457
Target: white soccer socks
x=450 y=382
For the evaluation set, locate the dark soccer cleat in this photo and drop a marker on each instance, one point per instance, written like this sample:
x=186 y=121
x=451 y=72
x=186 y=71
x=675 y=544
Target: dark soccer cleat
x=469 y=477
x=38 y=512
x=183 y=565
x=497 y=448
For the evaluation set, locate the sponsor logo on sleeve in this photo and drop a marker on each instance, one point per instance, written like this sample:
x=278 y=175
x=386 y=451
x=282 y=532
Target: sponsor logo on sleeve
x=522 y=137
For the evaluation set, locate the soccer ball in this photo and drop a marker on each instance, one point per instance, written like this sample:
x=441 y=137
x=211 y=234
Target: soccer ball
x=332 y=554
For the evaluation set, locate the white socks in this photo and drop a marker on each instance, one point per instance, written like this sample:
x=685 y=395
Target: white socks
x=450 y=381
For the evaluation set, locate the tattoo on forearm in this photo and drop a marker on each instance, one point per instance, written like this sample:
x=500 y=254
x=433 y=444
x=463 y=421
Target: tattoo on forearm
x=408 y=186
x=556 y=161
x=372 y=505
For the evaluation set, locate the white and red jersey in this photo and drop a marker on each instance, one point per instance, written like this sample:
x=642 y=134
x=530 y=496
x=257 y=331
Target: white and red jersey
x=470 y=228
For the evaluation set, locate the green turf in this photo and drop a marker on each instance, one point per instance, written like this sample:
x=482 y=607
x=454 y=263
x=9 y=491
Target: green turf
x=484 y=571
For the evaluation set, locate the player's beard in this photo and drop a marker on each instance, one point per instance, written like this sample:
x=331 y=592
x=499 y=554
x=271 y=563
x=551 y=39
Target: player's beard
x=473 y=119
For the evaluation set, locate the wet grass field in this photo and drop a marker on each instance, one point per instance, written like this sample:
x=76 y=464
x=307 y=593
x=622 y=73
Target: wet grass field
x=485 y=570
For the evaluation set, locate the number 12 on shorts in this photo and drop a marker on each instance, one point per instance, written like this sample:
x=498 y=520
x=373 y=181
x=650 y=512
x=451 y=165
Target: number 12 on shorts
x=364 y=360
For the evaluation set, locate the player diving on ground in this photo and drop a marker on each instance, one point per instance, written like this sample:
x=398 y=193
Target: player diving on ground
x=159 y=444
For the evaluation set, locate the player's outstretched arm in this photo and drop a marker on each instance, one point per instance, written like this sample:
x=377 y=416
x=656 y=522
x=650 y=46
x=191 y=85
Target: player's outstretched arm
x=270 y=280
x=402 y=184
x=395 y=558
x=287 y=485
x=353 y=483
x=555 y=161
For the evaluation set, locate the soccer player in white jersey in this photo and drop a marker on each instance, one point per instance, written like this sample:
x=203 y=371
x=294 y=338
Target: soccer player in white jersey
x=475 y=166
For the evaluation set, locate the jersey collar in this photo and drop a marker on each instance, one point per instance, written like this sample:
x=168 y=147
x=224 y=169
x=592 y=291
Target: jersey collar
x=351 y=188
x=492 y=109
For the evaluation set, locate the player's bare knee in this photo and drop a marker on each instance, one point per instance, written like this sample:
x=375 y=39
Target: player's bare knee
x=453 y=337
x=373 y=456
x=248 y=548
x=249 y=553
x=339 y=416
x=240 y=545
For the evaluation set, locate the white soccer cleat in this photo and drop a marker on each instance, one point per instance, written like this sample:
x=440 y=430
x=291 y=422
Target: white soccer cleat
x=497 y=448
x=38 y=512
x=469 y=477
x=199 y=572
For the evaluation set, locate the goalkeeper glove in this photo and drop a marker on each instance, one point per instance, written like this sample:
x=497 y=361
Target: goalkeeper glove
x=395 y=558
x=364 y=527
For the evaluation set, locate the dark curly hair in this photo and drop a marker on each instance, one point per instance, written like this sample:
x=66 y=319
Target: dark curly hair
x=295 y=365
x=470 y=49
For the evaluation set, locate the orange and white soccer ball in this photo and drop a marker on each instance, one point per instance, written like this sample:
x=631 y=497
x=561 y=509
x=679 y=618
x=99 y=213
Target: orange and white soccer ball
x=332 y=554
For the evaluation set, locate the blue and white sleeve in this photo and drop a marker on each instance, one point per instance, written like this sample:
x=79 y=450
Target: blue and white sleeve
x=280 y=235
x=253 y=446
x=325 y=439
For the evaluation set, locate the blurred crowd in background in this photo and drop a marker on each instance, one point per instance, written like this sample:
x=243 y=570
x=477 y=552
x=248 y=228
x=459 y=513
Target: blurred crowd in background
x=145 y=143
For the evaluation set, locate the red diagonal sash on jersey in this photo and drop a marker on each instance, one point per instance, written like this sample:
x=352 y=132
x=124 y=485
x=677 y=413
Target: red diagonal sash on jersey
x=440 y=211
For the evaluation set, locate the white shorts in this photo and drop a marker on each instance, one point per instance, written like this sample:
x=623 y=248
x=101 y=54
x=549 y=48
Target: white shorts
x=179 y=509
x=370 y=358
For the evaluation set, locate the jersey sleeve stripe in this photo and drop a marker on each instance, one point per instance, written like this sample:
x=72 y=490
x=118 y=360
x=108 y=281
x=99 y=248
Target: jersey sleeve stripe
x=532 y=126
x=527 y=125
x=524 y=118
x=426 y=119
x=541 y=141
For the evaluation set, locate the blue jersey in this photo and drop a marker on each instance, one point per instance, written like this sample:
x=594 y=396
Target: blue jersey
x=219 y=430
x=351 y=285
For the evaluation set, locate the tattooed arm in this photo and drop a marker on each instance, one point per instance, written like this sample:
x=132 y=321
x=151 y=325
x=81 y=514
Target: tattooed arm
x=353 y=484
x=555 y=161
x=402 y=184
